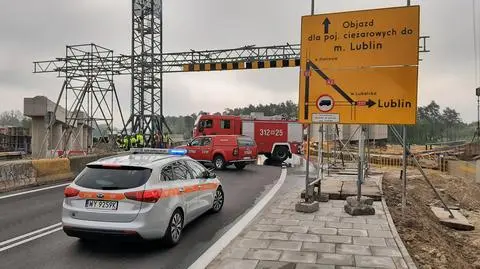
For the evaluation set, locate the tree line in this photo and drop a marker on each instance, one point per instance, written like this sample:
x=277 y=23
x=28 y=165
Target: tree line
x=433 y=123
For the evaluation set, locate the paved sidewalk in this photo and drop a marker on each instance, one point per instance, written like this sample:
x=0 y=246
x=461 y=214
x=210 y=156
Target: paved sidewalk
x=280 y=237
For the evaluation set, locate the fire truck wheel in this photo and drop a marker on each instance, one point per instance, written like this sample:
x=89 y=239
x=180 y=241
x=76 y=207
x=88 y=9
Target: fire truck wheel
x=219 y=162
x=240 y=166
x=280 y=153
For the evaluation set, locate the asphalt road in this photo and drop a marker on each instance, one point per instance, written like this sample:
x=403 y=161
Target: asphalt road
x=25 y=213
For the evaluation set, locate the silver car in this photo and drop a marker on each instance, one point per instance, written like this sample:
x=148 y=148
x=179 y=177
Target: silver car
x=146 y=193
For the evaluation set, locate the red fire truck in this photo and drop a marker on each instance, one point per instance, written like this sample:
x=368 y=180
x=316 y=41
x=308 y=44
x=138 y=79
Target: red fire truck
x=276 y=137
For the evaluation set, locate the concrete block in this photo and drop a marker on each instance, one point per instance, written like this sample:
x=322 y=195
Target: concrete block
x=263 y=254
x=312 y=223
x=299 y=257
x=16 y=174
x=319 y=247
x=285 y=245
x=51 y=170
x=335 y=259
x=305 y=237
x=374 y=261
x=306 y=207
x=353 y=220
x=353 y=201
x=360 y=210
x=459 y=222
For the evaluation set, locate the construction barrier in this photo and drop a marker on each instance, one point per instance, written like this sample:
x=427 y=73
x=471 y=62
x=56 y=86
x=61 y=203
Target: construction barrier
x=26 y=173
x=51 y=170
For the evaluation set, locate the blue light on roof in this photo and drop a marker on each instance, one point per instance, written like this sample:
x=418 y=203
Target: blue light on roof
x=177 y=151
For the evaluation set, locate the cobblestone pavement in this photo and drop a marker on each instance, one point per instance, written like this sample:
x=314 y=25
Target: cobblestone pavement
x=280 y=237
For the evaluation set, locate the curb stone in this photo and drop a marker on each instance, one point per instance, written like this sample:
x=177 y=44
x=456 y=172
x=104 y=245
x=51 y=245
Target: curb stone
x=406 y=256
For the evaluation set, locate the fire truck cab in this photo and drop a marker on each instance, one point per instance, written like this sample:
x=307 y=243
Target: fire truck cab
x=276 y=137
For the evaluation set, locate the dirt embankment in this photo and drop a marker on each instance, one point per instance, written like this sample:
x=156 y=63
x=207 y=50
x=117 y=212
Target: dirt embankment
x=431 y=244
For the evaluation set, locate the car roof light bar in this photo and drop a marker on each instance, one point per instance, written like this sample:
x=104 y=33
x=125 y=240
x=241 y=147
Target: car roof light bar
x=179 y=152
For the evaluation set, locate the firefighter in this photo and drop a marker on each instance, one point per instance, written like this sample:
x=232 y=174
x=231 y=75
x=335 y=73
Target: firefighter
x=126 y=142
x=166 y=140
x=158 y=140
x=133 y=142
x=140 y=140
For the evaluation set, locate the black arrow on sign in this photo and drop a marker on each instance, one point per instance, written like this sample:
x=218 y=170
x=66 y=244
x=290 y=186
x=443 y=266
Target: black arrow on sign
x=326 y=24
x=370 y=103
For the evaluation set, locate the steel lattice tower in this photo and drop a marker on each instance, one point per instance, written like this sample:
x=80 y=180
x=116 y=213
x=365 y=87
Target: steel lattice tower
x=147 y=77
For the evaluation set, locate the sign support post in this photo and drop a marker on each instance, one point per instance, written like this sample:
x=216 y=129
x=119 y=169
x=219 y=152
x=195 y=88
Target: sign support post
x=404 y=176
x=361 y=161
x=307 y=174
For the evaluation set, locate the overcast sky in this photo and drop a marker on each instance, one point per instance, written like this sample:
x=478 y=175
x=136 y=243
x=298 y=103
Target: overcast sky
x=39 y=30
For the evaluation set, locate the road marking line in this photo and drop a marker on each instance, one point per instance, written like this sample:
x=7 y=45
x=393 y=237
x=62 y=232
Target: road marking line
x=209 y=255
x=31 y=191
x=29 y=234
x=30 y=239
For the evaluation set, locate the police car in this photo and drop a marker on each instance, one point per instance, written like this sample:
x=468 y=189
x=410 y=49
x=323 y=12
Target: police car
x=146 y=194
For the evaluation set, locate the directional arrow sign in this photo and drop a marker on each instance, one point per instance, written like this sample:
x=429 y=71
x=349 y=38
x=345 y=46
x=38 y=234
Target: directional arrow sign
x=326 y=24
x=366 y=60
x=363 y=96
x=378 y=37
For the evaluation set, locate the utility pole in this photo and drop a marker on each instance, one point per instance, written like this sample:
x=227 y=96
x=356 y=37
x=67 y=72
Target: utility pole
x=313 y=7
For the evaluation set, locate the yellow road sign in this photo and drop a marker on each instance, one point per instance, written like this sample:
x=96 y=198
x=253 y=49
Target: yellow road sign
x=378 y=37
x=359 y=96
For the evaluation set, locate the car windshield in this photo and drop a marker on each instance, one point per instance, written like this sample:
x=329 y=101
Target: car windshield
x=101 y=178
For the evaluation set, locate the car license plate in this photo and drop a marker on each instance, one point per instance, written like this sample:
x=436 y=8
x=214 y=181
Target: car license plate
x=101 y=204
x=248 y=152
x=247 y=158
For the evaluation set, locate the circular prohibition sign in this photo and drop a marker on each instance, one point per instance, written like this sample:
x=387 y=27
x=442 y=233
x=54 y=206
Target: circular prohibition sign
x=325 y=103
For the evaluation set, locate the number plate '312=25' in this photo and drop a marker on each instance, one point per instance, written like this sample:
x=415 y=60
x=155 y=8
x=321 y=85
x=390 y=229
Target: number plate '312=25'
x=271 y=132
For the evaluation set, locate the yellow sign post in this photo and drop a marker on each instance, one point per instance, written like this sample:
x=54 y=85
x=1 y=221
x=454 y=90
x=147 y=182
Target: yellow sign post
x=360 y=67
